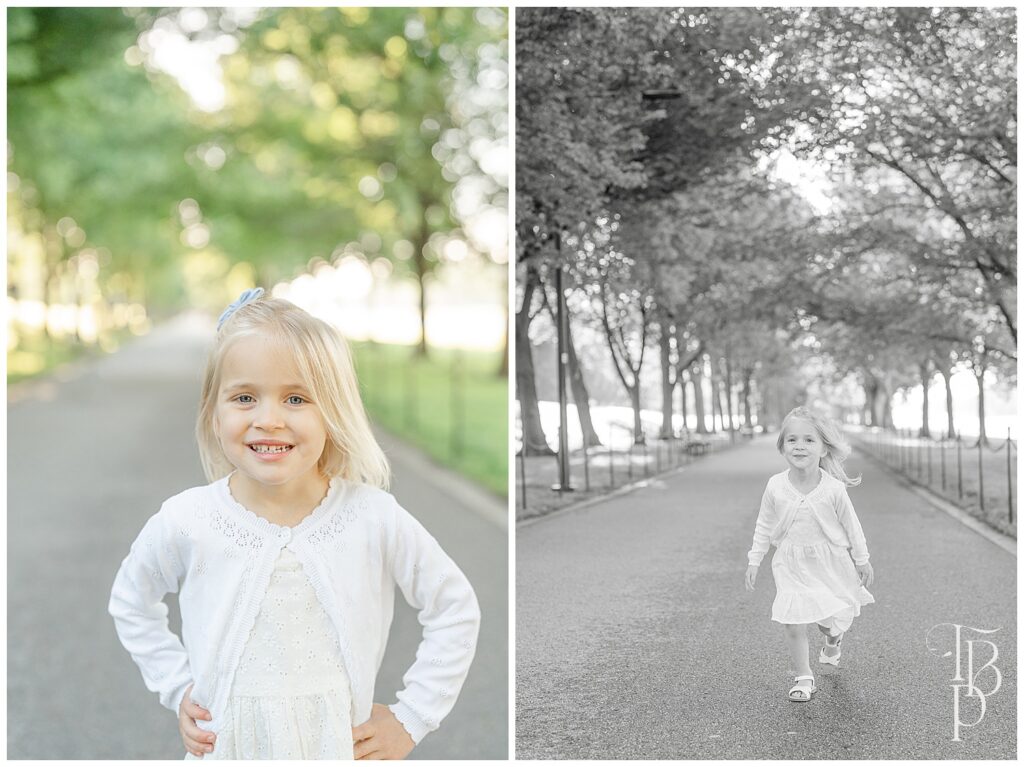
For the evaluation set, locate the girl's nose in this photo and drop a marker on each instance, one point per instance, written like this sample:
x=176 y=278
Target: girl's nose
x=267 y=416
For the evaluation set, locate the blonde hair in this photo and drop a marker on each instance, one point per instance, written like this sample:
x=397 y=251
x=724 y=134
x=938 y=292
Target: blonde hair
x=325 y=364
x=837 y=449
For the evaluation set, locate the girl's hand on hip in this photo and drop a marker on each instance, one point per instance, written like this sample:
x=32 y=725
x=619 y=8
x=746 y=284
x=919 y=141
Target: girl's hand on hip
x=751 y=576
x=197 y=741
x=866 y=573
x=382 y=736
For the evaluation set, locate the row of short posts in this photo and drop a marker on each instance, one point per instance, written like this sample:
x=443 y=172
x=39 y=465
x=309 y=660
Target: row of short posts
x=665 y=457
x=380 y=371
x=909 y=452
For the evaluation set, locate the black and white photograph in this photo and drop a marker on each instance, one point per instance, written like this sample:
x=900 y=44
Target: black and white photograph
x=765 y=435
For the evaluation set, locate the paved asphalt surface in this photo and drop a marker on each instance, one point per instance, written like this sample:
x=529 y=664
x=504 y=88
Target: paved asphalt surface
x=90 y=458
x=636 y=639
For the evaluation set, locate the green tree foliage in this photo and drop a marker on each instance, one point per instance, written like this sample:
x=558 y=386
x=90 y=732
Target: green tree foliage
x=349 y=112
x=366 y=126
x=92 y=139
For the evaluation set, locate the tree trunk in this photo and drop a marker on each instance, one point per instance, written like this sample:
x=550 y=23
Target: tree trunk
x=722 y=403
x=50 y=293
x=685 y=401
x=871 y=400
x=947 y=375
x=926 y=374
x=760 y=403
x=697 y=374
x=885 y=408
x=420 y=261
x=77 y=300
x=764 y=401
x=718 y=395
x=502 y=371
x=728 y=394
x=638 y=425
x=580 y=396
x=621 y=361
x=667 y=384
x=716 y=400
x=748 y=421
x=534 y=440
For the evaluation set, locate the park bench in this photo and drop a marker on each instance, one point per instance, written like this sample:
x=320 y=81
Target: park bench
x=697 y=446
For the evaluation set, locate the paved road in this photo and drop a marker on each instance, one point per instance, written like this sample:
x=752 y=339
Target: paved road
x=90 y=458
x=636 y=639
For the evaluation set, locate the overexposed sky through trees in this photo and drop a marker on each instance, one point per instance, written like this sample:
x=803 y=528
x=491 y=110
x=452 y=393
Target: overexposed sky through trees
x=470 y=316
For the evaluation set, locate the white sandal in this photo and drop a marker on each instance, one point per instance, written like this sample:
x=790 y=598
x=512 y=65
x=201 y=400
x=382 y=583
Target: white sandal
x=831 y=660
x=796 y=691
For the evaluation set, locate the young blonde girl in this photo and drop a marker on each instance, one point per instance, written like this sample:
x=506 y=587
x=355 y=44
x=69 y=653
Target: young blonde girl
x=821 y=563
x=286 y=564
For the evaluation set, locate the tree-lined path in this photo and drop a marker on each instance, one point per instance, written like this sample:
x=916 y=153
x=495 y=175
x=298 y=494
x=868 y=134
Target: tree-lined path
x=749 y=209
x=636 y=639
x=90 y=459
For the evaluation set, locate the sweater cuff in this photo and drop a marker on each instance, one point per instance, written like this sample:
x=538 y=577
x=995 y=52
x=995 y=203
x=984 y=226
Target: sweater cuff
x=174 y=702
x=754 y=560
x=410 y=721
x=861 y=560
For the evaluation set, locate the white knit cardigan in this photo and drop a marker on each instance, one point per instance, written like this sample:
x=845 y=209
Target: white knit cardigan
x=354 y=547
x=830 y=504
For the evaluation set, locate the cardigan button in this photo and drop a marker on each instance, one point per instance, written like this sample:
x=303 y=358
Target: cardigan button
x=285 y=535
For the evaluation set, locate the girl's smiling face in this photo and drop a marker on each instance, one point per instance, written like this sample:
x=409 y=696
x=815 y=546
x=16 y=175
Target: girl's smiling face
x=268 y=425
x=802 y=445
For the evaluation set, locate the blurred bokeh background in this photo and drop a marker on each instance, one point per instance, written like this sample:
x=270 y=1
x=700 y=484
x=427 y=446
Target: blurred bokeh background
x=351 y=160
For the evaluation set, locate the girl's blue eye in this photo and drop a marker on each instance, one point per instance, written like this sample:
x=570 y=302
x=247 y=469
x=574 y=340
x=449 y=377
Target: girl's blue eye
x=243 y=398
x=295 y=397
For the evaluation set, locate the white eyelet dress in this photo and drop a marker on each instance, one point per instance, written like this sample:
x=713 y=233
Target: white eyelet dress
x=816 y=580
x=290 y=698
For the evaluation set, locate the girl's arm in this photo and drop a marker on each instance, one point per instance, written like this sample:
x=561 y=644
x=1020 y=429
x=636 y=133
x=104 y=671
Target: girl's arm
x=448 y=611
x=762 y=528
x=151 y=569
x=848 y=519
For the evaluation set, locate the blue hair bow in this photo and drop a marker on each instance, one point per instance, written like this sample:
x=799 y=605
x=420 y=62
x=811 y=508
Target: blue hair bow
x=246 y=297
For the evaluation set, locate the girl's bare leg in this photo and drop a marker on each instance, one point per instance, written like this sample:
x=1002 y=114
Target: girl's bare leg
x=796 y=642
x=831 y=650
